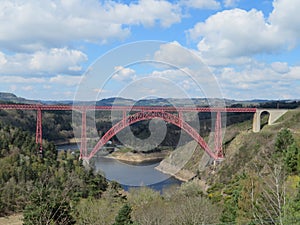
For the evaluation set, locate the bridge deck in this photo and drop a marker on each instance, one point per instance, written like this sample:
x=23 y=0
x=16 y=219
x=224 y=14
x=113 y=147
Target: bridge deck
x=122 y=108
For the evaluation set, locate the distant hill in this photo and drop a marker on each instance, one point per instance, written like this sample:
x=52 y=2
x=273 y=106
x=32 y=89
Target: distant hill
x=200 y=102
x=9 y=97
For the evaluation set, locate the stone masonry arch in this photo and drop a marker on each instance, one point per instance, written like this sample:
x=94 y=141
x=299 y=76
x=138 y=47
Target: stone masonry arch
x=274 y=114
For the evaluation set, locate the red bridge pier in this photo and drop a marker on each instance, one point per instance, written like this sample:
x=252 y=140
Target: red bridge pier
x=142 y=113
x=83 y=146
x=39 y=134
x=218 y=136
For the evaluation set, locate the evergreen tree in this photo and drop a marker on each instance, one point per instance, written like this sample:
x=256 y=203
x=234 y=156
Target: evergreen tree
x=283 y=141
x=291 y=158
x=48 y=205
x=287 y=150
x=124 y=216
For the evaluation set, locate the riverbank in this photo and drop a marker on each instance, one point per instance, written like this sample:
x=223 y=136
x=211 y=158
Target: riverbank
x=184 y=162
x=180 y=174
x=139 y=157
x=164 y=167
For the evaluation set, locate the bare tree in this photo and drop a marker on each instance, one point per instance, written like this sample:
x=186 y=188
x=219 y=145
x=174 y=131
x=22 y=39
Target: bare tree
x=266 y=194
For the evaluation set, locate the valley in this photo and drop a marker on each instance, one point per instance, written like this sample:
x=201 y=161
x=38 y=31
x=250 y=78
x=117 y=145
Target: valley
x=232 y=190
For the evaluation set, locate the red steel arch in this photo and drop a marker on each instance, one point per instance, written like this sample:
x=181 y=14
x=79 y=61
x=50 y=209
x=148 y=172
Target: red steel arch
x=146 y=115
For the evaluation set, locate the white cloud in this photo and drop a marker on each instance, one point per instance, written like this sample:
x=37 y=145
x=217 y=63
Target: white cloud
x=201 y=4
x=170 y=53
x=173 y=74
x=19 y=79
x=286 y=17
x=50 y=62
x=235 y=35
x=57 y=60
x=124 y=74
x=236 y=32
x=66 y=80
x=145 y=12
x=280 y=67
x=259 y=80
x=294 y=73
x=33 y=25
x=3 y=59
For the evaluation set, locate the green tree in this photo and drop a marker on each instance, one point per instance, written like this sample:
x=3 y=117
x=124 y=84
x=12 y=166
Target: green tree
x=48 y=204
x=232 y=191
x=291 y=158
x=251 y=189
x=283 y=140
x=124 y=216
x=292 y=209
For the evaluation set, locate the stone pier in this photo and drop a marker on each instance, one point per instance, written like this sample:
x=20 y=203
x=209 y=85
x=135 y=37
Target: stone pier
x=274 y=114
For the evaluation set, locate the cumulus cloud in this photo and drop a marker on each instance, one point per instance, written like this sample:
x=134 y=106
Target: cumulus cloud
x=170 y=53
x=52 y=61
x=57 y=60
x=294 y=74
x=124 y=74
x=280 y=67
x=235 y=35
x=33 y=25
x=66 y=80
x=276 y=80
x=287 y=18
x=145 y=12
x=236 y=32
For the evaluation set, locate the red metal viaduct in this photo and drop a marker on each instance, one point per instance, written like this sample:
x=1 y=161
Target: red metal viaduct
x=146 y=113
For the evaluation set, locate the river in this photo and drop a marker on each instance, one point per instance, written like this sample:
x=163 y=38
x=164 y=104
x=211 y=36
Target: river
x=130 y=175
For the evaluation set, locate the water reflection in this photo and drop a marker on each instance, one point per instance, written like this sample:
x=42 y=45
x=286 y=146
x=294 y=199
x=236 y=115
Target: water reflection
x=131 y=175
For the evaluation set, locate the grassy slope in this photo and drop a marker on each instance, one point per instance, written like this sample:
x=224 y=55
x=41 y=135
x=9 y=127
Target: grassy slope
x=246 y=149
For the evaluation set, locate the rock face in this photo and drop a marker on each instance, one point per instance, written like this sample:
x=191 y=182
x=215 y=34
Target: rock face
x=180 y=174
x=182 y=162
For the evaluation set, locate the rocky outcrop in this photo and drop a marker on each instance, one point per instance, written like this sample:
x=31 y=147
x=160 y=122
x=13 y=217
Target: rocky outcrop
x=177 y=162
x=185 y=162
x=180 y=174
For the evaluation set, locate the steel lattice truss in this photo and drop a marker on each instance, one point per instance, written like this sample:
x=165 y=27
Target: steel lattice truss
x=142 y=113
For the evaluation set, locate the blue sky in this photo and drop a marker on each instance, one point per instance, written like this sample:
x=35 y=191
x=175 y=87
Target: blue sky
x=250 y=48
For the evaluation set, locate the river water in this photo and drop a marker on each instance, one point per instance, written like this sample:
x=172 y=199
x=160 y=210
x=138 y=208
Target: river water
x=130 y=175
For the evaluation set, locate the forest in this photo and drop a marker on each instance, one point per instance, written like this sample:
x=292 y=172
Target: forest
x=258 y=183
